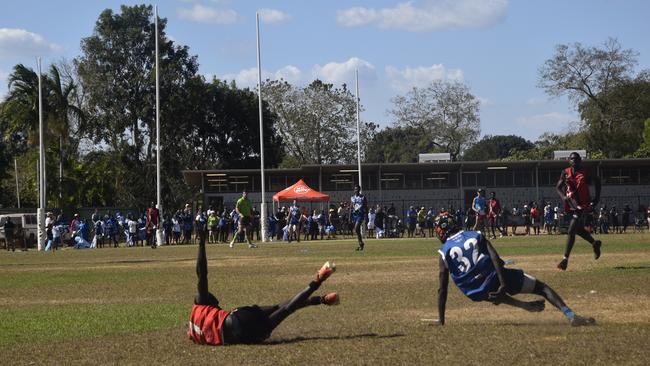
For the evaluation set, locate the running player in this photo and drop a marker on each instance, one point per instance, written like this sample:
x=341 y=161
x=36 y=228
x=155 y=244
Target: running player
x=244 y=210
x=573 y=189
x=477 y=270
x=211 y=325
x=358 y=210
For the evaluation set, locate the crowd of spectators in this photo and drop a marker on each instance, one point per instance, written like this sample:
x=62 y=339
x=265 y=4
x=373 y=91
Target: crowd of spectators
x=298 y=223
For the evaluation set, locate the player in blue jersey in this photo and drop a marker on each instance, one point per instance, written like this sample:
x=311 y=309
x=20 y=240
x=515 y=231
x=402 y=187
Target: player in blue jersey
x=478 y=272
x=358 y=211
x=294 y=222
x=480 y=208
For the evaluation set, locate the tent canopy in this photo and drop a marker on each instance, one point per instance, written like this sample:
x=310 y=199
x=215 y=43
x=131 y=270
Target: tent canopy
x=300 y=192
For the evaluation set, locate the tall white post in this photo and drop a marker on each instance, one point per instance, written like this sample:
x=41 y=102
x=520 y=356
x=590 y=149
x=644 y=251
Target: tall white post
x=358 y=129
x=159 y=231
x=40 y=213
x=263 y=225
x=17 y=187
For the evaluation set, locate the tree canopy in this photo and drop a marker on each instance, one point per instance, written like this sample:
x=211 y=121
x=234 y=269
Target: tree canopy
x=446 y=113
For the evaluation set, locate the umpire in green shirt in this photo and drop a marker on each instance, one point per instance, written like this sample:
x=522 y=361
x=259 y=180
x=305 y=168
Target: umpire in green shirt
x=244 y=209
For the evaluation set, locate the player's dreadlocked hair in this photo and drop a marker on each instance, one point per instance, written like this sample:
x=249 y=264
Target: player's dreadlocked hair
x=445 y=226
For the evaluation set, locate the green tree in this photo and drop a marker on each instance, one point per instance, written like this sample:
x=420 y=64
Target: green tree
x=628 y=105
x=446 y=113
x=548 y=142
x=399 y=145
x=589 y=76
x=317 y=123
x=497 y=147
x=644 y=149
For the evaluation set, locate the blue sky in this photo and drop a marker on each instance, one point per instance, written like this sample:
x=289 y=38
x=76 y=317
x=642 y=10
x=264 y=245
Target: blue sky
x=494 y=46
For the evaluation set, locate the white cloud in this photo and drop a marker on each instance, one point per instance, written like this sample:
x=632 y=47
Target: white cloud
x=205 y=14
x=333 y=72
x=405 y=79
x=273 y=16
x=290 y=73
x=344 y=72
x=21 y=43
x=248 y=77
x=431 y=15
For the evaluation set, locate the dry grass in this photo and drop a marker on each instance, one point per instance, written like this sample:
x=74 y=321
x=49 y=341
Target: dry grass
x=129 y=306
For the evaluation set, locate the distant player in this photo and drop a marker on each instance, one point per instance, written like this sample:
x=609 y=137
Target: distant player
x=358 y=211
x=244 y=210
x=573 y=189
x=477 y=270
x=479 y=206
x=211 y=325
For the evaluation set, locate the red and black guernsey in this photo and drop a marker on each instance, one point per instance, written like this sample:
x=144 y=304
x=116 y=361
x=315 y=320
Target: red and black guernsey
x=205 y=324
x=577 y=188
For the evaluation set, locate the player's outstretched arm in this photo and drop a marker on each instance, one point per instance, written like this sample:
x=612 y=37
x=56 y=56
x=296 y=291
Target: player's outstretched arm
x=498 y=267
x=443 y=285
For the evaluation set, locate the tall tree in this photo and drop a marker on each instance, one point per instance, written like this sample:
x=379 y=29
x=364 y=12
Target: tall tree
x=589 y=75
x=317 y=123
x=497 y=147
x=628 y=105
x=61 y=88
x=399 y=145
x=446 y=113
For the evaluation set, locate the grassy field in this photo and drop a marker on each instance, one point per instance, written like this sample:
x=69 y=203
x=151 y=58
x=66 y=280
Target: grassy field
x=131 y=305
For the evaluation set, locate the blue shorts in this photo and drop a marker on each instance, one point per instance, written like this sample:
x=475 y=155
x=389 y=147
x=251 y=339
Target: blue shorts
x=357 y=218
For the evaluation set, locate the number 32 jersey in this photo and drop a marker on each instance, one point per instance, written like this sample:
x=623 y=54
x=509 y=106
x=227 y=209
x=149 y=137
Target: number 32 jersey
x=469 y=264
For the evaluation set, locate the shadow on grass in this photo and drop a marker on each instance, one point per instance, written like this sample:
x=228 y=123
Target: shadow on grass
x=344 y=337
x=631 y=268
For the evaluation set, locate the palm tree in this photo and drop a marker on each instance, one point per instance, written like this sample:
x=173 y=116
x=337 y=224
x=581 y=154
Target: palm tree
x=20 y=108
x=60 y=94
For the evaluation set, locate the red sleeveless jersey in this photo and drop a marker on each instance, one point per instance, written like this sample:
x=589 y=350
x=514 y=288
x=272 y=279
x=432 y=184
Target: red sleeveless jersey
x=576 y=188
x=205 y=324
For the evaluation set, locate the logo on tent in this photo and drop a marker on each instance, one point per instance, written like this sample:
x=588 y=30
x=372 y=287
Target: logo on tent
x=301 y=189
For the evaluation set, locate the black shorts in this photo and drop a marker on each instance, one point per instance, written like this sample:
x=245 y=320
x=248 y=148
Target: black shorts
x=245 y=221
x=246 y=325
x=514 y=281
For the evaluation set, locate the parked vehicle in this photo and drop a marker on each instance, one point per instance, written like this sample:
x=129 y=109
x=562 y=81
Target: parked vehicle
x=25 y=221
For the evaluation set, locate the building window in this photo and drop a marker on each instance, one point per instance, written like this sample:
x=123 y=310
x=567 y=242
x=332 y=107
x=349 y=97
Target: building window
x=392 y=181
x=523 y=178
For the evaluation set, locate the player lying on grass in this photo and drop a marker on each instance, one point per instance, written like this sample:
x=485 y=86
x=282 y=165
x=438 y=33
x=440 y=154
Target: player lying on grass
x=477 y=270
x=210 y=324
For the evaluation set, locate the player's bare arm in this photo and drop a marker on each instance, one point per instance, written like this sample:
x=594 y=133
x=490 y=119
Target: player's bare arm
x=498 y=266
x=443 y=285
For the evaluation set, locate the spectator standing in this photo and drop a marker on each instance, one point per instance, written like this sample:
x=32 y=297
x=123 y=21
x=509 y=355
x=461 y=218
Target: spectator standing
x=9 y=227
x=380 y=222
x=613 y=219
x=627 y=212
x=371 y=222
x=535 y=218
x=494 y=210
x=153 y=217
x=176 y=227
x=213 y=227
x=422 y=218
